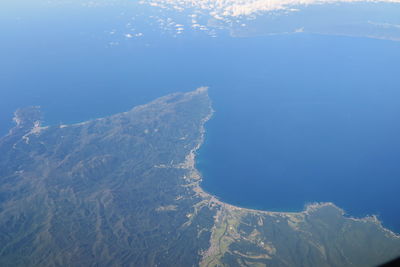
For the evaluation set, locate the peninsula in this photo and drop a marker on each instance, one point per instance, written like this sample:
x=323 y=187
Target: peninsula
x=124 y=191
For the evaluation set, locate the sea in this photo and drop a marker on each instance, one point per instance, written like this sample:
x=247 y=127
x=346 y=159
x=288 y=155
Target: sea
x=299 y=118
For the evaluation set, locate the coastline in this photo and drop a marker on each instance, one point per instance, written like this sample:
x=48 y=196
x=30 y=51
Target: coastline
x=213 y=200
x=224 y=230
x=195 y=176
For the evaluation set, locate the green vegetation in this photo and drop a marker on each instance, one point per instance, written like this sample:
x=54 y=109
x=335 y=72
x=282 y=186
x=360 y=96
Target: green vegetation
x=123 y=191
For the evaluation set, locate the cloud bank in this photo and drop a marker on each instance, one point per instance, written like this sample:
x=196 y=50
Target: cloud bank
x=235 y=8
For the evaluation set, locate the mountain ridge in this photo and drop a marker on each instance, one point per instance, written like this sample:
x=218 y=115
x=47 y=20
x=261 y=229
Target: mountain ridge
x=124 y=190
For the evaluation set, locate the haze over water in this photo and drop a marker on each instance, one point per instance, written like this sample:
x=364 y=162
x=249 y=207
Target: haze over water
x=299 y=118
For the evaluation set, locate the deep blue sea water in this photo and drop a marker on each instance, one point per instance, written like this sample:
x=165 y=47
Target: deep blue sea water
x=299 y=118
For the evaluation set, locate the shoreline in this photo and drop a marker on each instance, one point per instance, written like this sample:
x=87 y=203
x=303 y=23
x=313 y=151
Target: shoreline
x=197 y=178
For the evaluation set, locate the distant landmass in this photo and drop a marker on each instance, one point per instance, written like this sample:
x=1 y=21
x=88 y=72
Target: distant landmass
x=124 y=191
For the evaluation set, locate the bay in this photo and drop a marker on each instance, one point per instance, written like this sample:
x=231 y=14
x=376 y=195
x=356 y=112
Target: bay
x=299 y=118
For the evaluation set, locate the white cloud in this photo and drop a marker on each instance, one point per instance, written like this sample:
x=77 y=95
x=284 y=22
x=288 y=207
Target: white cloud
x=235 y=8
